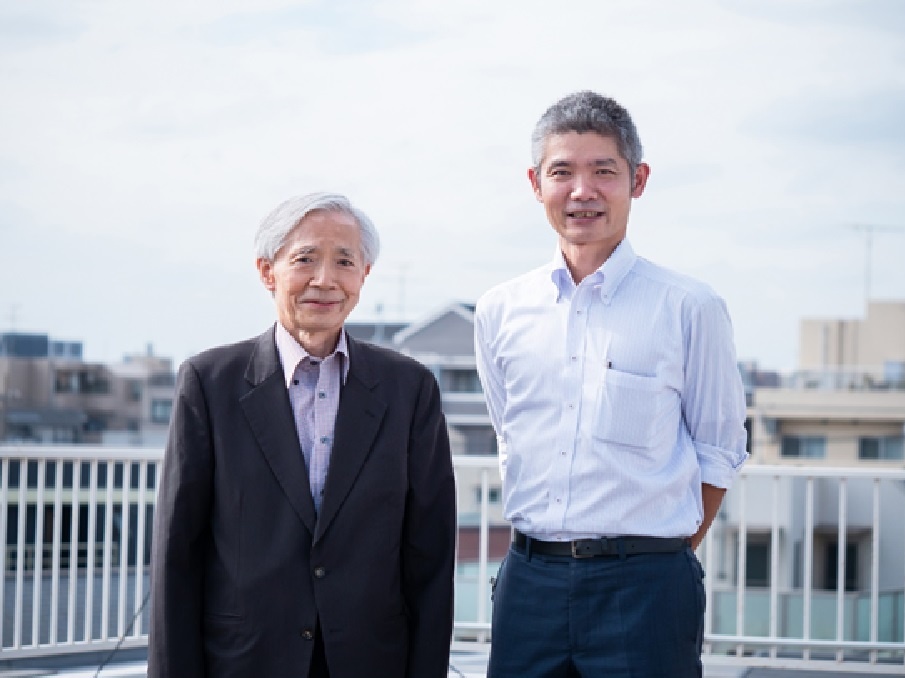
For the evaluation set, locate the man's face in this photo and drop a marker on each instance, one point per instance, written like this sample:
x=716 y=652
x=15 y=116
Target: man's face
x=317 y=275
x=586 y=188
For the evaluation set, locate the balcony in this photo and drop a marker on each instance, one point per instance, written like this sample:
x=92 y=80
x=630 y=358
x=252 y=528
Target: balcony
x=75 y=523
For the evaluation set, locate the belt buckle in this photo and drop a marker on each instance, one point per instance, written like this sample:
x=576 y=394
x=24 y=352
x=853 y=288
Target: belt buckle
x=575 y=552
x=588 y=551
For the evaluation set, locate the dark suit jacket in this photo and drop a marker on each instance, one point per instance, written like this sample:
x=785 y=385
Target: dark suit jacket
x=242 y=566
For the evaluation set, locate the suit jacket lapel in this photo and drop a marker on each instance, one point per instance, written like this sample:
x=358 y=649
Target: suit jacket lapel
x=357 y=422
x=270 y=417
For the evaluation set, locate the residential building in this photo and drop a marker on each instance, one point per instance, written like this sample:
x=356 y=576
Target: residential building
x=844 y=408
x=50 y=394
x=872 y=347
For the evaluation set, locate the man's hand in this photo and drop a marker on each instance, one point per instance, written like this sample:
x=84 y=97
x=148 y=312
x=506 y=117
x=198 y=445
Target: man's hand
x=712 y=497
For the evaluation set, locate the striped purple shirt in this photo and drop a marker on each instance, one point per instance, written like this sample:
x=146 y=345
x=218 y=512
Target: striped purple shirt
x=314 y=384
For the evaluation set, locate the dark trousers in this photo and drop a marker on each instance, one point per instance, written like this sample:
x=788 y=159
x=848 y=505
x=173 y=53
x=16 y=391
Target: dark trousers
x=638 y=616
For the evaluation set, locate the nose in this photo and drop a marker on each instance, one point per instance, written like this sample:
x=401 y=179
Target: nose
x=323 y=275
x=582 y=187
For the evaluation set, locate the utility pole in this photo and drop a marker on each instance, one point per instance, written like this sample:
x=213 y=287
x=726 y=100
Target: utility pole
x=869 y=230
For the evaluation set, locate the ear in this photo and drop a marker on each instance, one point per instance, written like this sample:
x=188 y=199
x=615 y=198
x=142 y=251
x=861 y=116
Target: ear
x=642 y=172
x=535 y=183
x=265 y=271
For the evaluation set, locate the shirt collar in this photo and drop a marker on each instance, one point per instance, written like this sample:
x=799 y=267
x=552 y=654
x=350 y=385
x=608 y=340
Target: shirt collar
x=292 y=353
x=608 y=277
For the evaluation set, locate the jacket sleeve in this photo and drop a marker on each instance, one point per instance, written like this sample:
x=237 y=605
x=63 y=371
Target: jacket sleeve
x=180 y=532
x=428 y=558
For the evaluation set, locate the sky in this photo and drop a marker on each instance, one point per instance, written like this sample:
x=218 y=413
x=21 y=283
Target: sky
x=141 y=143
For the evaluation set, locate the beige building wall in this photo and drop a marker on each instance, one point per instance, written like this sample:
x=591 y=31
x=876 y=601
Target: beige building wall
x=846 y=344
x=884 y=333
x=825 y=343
x=841 y=417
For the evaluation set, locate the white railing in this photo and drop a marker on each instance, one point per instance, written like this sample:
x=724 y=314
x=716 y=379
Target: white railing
x=75 y=525
x=860 y=623
x=75 y=562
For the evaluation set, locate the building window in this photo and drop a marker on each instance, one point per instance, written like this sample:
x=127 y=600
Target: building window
x=160 y=411
x=757 y=562
x=476 y=439
x=133 y=390
x=463 y=381
x=74 y=381
x=808 y=447
x=95 y=423
x=881 y=447
x=162 y=380
x=66 y=382
x=831 y=568
x=93 y=383
x=493 y=495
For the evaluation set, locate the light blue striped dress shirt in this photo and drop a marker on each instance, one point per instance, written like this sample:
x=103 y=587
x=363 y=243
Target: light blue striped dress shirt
x=612 y=400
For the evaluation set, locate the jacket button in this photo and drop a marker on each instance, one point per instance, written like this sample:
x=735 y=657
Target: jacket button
x=307 y=634
x=320 y=572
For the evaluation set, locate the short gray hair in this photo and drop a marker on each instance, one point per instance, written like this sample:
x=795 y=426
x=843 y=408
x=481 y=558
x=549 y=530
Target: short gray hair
x=277 y=225
x=588 y=111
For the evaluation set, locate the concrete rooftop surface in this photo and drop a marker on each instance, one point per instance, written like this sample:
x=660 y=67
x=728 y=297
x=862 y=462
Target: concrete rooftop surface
x=463 y=664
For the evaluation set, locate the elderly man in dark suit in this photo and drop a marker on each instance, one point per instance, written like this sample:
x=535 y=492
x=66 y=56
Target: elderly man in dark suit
x=305 y=521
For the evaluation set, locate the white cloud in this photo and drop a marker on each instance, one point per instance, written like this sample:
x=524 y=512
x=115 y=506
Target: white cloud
x=165 y=132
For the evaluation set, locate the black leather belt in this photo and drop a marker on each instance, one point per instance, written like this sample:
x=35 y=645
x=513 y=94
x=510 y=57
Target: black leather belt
x=604 y=546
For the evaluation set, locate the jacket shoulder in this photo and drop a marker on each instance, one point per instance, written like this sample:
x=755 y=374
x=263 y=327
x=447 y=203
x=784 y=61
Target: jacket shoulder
x=384 y=358
x=225 y=358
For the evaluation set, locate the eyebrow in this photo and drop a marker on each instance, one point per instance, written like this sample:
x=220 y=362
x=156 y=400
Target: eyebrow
x=313 y=249
x=296 y=250
x=599 y=162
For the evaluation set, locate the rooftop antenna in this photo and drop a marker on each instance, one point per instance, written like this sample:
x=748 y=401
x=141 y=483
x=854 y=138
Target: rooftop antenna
x=13 y=315
x=402 y=271
x=868 y=230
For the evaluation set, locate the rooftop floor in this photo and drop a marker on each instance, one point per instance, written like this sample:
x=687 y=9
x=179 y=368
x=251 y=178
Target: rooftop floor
x=463 y=664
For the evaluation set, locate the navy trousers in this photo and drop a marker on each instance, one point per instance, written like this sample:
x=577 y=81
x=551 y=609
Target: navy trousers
x=638 y=616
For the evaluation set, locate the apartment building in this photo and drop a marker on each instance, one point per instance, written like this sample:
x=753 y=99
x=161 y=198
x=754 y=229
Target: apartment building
x=843 y=408
x=845 y=405
x=50 y=394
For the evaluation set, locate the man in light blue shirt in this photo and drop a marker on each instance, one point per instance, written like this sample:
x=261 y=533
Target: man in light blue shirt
x=619 y=411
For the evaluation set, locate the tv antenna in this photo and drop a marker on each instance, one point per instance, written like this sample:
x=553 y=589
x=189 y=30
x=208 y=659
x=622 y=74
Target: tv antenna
x=869 y=230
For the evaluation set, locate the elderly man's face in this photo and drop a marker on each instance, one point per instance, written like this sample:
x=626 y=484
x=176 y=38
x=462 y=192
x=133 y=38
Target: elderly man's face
x=317 y=274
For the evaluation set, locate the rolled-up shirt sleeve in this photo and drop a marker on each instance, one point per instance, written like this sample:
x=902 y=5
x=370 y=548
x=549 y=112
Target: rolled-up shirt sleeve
x=713 y=398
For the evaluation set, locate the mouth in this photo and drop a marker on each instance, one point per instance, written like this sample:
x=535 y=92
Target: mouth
x=584 y=214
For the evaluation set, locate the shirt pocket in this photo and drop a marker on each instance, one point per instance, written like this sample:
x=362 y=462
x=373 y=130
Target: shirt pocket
x=634 y=410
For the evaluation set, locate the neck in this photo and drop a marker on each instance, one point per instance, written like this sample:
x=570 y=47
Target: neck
x=320 y=344
x=583 y=260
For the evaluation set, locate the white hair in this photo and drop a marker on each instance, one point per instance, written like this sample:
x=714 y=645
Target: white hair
x=277 y=225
